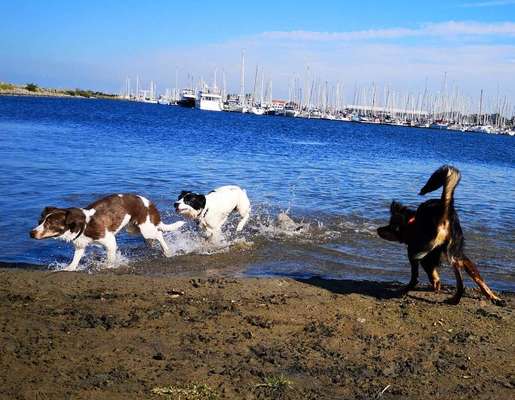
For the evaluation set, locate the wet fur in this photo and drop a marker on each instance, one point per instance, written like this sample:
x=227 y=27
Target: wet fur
x=433 y=233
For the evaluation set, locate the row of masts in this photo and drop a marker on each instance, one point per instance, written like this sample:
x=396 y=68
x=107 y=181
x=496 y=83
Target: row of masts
x=311 y=96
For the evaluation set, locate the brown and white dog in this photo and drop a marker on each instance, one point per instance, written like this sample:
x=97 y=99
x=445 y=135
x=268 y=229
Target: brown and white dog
x=101 y=221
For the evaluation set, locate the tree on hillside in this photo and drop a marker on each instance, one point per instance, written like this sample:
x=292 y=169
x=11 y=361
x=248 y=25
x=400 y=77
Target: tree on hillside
x=31 y=87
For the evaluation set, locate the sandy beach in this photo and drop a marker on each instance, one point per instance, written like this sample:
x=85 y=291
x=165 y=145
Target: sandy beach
x=121 y=336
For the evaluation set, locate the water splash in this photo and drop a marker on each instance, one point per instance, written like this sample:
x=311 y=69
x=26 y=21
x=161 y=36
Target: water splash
x=94 y=260
x=190 y=241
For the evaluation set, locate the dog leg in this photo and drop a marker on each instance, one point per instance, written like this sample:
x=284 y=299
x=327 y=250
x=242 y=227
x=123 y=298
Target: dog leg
x=243 y=208
x=414 y=275
x=435 y=280
x=166 y=250
x=151 y=232
x=476 y=277
x=459 y=285
x=430 y=263
x=109 y=242
x=434 y=277
x=79 y=252
x=243 y=222
x=170 y=227
x=214 y=236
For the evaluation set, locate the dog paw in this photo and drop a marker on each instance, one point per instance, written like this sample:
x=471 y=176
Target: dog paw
x=409 y=287
x=499 y=302
x=69 y=268
x=454 y=300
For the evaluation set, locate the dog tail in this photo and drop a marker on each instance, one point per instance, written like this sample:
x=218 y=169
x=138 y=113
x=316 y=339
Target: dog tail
x=170 y=227
x=448 y=177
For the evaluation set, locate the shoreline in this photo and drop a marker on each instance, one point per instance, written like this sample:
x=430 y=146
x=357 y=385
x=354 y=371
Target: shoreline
x=56 y=93
x=114 y=336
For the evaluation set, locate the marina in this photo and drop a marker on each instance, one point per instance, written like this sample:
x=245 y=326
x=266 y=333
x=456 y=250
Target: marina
x=313 y=98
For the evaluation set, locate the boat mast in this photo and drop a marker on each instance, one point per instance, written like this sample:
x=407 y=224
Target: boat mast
x=480 y=107
x=242 y=79
x=128 y=88
x=262 y=88
x=254 y=89
x=224 y=85
x=176 y=92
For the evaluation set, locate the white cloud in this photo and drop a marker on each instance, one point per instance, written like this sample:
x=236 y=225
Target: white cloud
x=443 y=29
x=352 y=58
x=404 y=67
x=494 y=3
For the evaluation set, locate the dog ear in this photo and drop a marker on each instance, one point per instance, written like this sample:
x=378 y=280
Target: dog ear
x=198 y=202
x=48 y=210
x=396 y=207
x=75 y=219
x=183 y=193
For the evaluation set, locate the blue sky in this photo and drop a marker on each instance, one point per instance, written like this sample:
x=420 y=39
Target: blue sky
x=96 y=44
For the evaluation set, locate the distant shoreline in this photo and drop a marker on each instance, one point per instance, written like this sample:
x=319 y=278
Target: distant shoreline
x=32 y=90
x=57 y=96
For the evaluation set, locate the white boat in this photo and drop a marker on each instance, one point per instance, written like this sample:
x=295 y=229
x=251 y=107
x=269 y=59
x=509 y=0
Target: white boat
x=290 y=110
x=482 y=129
x=257 y=110
x=209 y=101
x=439 y=125
x=315 y=114
x=187 y=98
x=149 y=100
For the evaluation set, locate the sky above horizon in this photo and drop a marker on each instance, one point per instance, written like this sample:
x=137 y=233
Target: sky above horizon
x=402 y=44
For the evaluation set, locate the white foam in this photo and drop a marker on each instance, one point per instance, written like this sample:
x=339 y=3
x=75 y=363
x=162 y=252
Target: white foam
x=190 y=241
x=94 y=260
x=303 y=231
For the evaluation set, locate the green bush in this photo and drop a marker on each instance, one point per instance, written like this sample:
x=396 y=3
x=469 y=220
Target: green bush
x=32 y=87
x=6 y=86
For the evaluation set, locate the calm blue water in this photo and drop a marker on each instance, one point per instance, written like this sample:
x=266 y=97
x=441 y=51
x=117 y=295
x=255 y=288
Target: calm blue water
x=337 y=177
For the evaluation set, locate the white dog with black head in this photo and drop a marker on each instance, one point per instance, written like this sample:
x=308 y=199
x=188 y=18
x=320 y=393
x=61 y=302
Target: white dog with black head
x=210 y=211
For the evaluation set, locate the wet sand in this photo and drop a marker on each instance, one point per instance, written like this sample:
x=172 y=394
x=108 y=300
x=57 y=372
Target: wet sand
x=119 y=336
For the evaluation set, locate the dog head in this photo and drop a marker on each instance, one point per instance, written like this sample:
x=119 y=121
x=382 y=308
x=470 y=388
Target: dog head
x=190 y=204
x=54 y=222
x=402 y=219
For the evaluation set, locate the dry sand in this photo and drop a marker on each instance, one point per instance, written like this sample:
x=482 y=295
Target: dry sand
x=119 y=336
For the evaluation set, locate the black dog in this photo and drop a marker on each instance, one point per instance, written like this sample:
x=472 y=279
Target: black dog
x=433 y=232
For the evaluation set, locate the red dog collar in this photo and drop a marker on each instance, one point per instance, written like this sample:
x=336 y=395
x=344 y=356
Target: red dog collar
x=411 y=220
